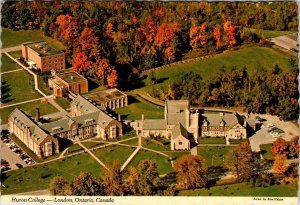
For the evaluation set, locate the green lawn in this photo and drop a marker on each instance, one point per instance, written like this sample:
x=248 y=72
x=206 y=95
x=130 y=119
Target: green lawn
x=237 y=141
x=212 y=140
x=177 y=154
x=270 y=33
x=39 y=176
x=43 y=86
x=266 y=150
x=111 y=153
x=64 y=103
x=242 y=189
x=45 y=108
x=213 y=155
x=16 y=54
x=8 y=64
x=18 y=87
x=74 y=148
x=138 y=106
x=251 y=57
x=163 y=164
x=13 y=38
x=132 y=142
x=154 y=144
x=92 y=144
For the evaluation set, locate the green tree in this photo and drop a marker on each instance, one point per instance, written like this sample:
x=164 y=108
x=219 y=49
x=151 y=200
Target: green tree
x=86 y=185
x=112 y=180
x=59 y=186
x=148 y=177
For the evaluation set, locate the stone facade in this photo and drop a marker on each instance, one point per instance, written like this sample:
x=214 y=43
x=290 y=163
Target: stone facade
x=42 y=57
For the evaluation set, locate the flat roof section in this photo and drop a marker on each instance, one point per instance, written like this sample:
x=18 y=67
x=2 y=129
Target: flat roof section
x=106 y=95
x=71 y=77
x=42 y=48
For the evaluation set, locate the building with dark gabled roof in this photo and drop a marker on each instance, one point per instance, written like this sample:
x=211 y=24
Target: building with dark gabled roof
x=29 y=132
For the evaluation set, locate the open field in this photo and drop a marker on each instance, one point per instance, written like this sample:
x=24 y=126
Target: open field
x=16 y=54
x=163 y=164
x=213 y=155
x=13 y=38
x=45 y=108
x=154 y=144
x=251 y=57
x=270 y=33
x=38 y=177
x=138 y=106
x=212 y=140
x=92 y=144
x=109 y=154
x=177 y=154
x=64 y=103
x=43 y=86
x=266 y=150
x=8 y=64
x=18 y=87
x=242 y=189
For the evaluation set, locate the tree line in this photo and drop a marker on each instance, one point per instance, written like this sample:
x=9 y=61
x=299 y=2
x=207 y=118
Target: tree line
x=115 y=41
x=258 y=90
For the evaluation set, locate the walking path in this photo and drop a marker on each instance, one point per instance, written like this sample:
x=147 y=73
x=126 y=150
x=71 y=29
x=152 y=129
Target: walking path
x=11 y=49
x=130 y=158
x=88 y=151
x=11 y=71
x=35 y=193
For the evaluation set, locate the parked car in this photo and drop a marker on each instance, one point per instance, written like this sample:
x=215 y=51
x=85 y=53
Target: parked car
x=19 y=165
x=5 y=164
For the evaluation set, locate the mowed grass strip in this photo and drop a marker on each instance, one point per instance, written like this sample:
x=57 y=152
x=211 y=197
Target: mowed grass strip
x=111 y=153
x=8 y=64
x=251 y=57
x=270 y=33
x=138 y=106
x=16 y=54
x=214 y=155
x=163 y=164
x=64 y=103
x=38 y=177
x=211 y=140
x=14 y=38
x=18 y=87
x=242 y=189
x=44 y=107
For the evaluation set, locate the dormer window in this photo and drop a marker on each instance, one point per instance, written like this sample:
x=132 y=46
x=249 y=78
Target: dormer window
x=222 y=123
x=56 y=129
x=89 y=121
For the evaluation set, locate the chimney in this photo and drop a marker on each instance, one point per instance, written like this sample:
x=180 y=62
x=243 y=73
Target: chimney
x=37 y=114
x=221 y=114
x=119 y=117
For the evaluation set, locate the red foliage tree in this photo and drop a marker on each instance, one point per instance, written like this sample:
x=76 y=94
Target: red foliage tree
x=279 y=146
x=112 y=79
x=231 y=32
x=166 y=33
x=217 y=36
x=81 y=63
x=198 y=36
x=294 y=148
x=279 y=164
x=68 y=29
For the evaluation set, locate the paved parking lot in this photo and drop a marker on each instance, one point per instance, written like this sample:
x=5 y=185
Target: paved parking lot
x=11 y=157
x=263 y=137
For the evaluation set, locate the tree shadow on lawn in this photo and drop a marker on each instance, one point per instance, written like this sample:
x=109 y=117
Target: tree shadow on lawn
x=5 y=95
x=214 y=174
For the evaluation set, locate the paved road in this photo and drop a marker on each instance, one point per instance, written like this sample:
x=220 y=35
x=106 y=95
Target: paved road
x=10 y=156
x=44 y=192
x=11 y=49
x=263 y=137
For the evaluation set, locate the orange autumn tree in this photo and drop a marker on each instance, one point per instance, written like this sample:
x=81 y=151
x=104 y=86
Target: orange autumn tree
x=294 y=148
x=81 y=63
x=87 y=40
x=279 y=146
x=217 y=36
x=279 y=166
x=67 y=28
x=166 y=33
x=231 y=32
x=107 y=73
x=198 y=36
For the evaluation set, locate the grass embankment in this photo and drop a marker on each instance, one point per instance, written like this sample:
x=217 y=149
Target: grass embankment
x=242 y=189
x=38 y=177
x=14 y=38
x=138 y=106
x=266 y=150
x=251 y=57
x=44 y=107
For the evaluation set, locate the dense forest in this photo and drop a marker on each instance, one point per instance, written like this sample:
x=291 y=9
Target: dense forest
x=114 y=42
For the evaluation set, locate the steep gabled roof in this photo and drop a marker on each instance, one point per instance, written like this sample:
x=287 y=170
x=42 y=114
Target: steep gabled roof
x=230 y=119
x=179 y=130
x=176 y=111
x=154 y=124
x=85 y=106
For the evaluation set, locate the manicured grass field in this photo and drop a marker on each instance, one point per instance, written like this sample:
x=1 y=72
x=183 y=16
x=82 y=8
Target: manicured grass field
x=137 y=106
x=45 y=108
x=213 y=155
x=39 y=176
x=63 y=102
x=163 y=164
x=109 y=154
x=266 y=150
x=270 y=33
x=8 y=64
x=131 y=142
x=43 y=86
x=154 y=144
x=242 y=189
x=19 y=86
x=13 y=38
x=16 y=54
x=212 y=140
x=251 y=57
x=74 y=148
x=177 y=154
x=92 y=144
x=237 y=141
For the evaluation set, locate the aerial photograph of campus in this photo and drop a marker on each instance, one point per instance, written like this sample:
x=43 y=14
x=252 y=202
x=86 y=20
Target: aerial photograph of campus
x=149 y=98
